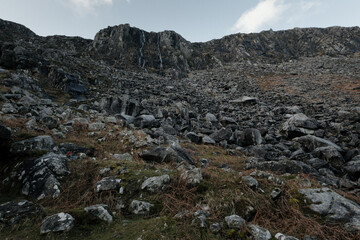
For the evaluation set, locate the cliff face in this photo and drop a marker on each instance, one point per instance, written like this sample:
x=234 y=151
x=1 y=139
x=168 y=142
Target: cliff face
x=134 y=47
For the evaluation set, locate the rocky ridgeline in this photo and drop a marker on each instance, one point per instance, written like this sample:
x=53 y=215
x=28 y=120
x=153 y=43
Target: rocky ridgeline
x=281 y=104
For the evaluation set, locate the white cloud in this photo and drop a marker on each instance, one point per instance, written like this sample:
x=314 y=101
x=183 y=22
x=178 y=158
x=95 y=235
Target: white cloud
x=83 y=7
x=89 y=4
x=265 y=12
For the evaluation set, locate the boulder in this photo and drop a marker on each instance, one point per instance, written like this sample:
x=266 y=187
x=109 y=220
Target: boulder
x=49 y=122
x=15 y=211
x=250 y=136
x=331 y=155
x=353 y=167
x=100 y=211
x=66 y=148
x=59 y=222
x=195 y=138
x=235 y=221
x=251 y=182
x=146 y=121
x=298 y=125
x=334 y=207
x=107 y=183
x=222 y=134
x=155 y=184
x=140 y=207
x=259 y=233
x=41 y=143
x=310 y=143
x=165 y=154
x=209 y=117
x=193 y=177
x=40 y=176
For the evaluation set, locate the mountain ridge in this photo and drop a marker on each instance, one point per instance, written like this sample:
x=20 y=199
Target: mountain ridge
x=130 y=47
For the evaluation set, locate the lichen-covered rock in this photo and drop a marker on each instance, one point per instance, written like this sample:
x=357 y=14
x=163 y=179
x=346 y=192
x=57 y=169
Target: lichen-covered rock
x=154 y=184
x=259 y=233
x=100 y=211
x=251 y=182
x=15 y=211
x=235 y=221
x=334 y=207
x=59 y=222
x=40 y=176
x=140 y=207
x=193 y=176
x=107 y=183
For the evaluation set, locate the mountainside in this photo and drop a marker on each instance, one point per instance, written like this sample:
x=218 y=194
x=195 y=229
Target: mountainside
x=143 y=135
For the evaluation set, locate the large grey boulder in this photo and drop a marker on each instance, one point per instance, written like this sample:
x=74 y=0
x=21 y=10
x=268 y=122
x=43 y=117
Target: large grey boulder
x=146 y=121
x=222 y=134
x=154 y=184
x=298 y=125
x=41 y=143
x=334 y=207
x=235 y=221
x=140 y=207
x=40 y=176
x=331 y=155
x=15 y=211
x=59 y=222
x=310 y=143
x=166 y=154
x=250 y=136
x=100 y=211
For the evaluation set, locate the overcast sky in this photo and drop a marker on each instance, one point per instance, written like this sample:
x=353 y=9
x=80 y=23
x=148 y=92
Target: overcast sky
x=195 y=20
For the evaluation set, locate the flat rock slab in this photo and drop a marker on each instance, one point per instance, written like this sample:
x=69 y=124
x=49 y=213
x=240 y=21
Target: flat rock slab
x=155 y=184
x=334 y=207
x=57 y=223
x=41 y=143
x=107 y=183
x=14 y=211
x=40 y=176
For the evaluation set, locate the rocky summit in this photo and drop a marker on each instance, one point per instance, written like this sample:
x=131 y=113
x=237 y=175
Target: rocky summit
x=143 y=135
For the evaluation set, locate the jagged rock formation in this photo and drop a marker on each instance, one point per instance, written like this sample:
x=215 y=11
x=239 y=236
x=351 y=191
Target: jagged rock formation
x=150 y=124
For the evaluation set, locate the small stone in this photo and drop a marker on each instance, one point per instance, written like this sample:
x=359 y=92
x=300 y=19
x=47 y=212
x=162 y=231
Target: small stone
x=251 y=182
x=276 y=192
x=235 y=221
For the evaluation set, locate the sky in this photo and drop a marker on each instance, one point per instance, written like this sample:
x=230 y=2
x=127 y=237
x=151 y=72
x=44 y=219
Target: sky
x=195 y=20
